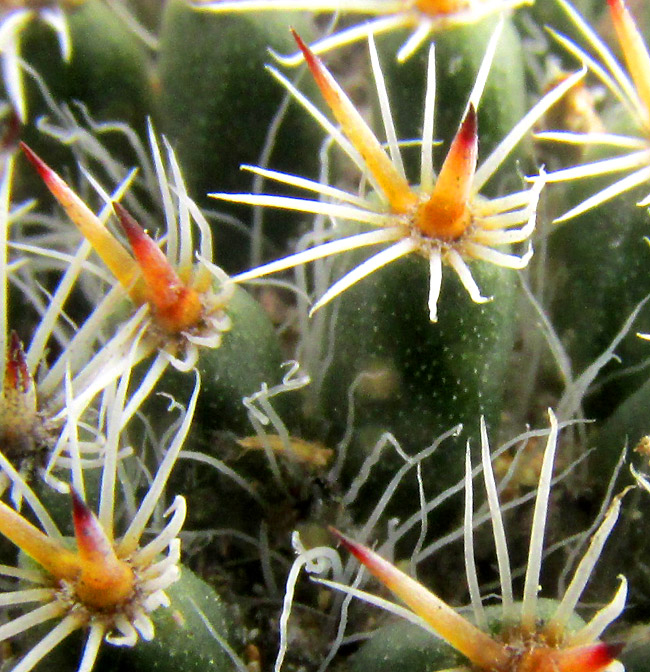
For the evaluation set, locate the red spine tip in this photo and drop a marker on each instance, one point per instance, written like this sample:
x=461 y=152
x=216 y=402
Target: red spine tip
x=359 y=551
x=613 y=650
x=333 y=531
x=312 y=60
x=618 y=9
x=156 y=269
x=43 y=169
x=339 y=535
x=176 y=306
x=594 y=657
x=79 y=507
x=86 y=528
x=468 y=132
x=299 y=41
x=81 y=514
x=134 y=232
x=16 y=372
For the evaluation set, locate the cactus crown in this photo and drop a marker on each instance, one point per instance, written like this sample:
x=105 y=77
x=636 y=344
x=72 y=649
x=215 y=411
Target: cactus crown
x=444 y=218
x=186 y=301
x=103 y=585
x=522 y=642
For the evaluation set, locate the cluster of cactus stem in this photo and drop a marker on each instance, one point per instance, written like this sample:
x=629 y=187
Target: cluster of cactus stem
x=304 y=300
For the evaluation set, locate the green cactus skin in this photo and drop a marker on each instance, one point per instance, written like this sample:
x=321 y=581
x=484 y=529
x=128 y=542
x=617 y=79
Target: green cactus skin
x=109 y=72
x=182 y=641
x=403 y=647
x=452 y=371
x=217 y=102
x=431 y=376
x=545 y=609
x=406 y=647
x=600 y=273
x=249 y=355
x=109 y=67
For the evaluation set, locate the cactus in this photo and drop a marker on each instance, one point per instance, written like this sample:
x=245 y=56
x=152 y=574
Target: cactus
x=275 y=270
